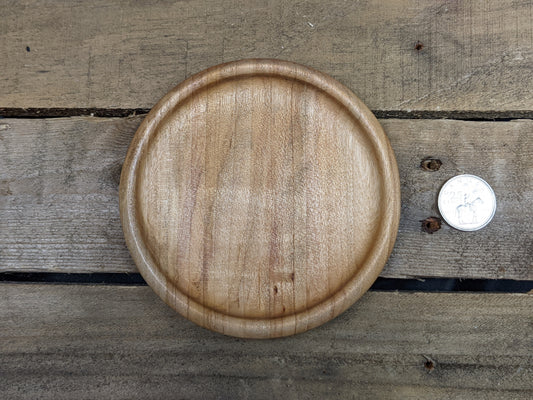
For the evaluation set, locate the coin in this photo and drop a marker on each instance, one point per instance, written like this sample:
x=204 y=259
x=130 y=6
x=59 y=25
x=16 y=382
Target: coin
x=467 y=202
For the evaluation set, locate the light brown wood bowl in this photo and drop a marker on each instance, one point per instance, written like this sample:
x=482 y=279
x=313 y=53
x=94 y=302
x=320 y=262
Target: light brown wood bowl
x=260 y=198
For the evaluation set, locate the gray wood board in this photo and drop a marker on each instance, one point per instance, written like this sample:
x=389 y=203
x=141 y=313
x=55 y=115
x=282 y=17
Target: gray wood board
x=73 y=341
x=396 y=54
x=59 y=196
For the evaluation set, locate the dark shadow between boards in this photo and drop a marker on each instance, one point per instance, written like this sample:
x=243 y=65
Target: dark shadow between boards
x=382 y=284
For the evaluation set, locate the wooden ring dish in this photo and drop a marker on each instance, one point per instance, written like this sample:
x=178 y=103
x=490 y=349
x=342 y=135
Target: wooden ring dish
x=260 y=198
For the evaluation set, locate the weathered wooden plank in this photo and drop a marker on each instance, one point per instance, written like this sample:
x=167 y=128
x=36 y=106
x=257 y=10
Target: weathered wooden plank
x=500 y=153
x=396 y=55
x=122 y=342
x=59 y=197
x=59 y=194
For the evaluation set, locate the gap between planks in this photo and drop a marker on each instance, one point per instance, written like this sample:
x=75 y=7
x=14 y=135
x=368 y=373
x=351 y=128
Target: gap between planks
x=461 y=115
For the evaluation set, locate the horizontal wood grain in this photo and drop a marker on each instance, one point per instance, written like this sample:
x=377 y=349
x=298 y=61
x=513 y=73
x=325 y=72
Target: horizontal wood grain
x=60 y=341
x=59 y=196
x=395 y=55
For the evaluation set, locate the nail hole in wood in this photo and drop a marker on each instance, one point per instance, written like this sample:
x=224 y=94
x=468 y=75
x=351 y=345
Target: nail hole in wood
x=430 y=364
x=430 y=164
x=431 y=224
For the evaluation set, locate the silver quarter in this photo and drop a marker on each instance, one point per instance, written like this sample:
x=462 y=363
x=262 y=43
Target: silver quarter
x=467 y=202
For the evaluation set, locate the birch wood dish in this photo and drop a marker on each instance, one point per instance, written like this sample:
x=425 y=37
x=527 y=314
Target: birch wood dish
x=260 y=198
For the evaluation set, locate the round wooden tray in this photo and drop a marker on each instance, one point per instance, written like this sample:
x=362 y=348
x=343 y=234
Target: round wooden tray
x=260 y=198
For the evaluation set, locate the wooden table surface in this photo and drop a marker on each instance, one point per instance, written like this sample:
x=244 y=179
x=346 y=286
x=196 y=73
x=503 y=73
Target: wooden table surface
x=449 y=80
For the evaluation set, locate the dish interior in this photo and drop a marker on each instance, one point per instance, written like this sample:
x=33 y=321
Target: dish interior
x=259 y=196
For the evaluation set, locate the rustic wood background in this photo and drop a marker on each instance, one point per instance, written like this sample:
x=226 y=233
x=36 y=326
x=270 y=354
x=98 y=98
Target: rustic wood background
x=450 y=80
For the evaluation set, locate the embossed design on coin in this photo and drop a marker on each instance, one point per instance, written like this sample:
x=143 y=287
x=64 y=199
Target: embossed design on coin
x=467 y=202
